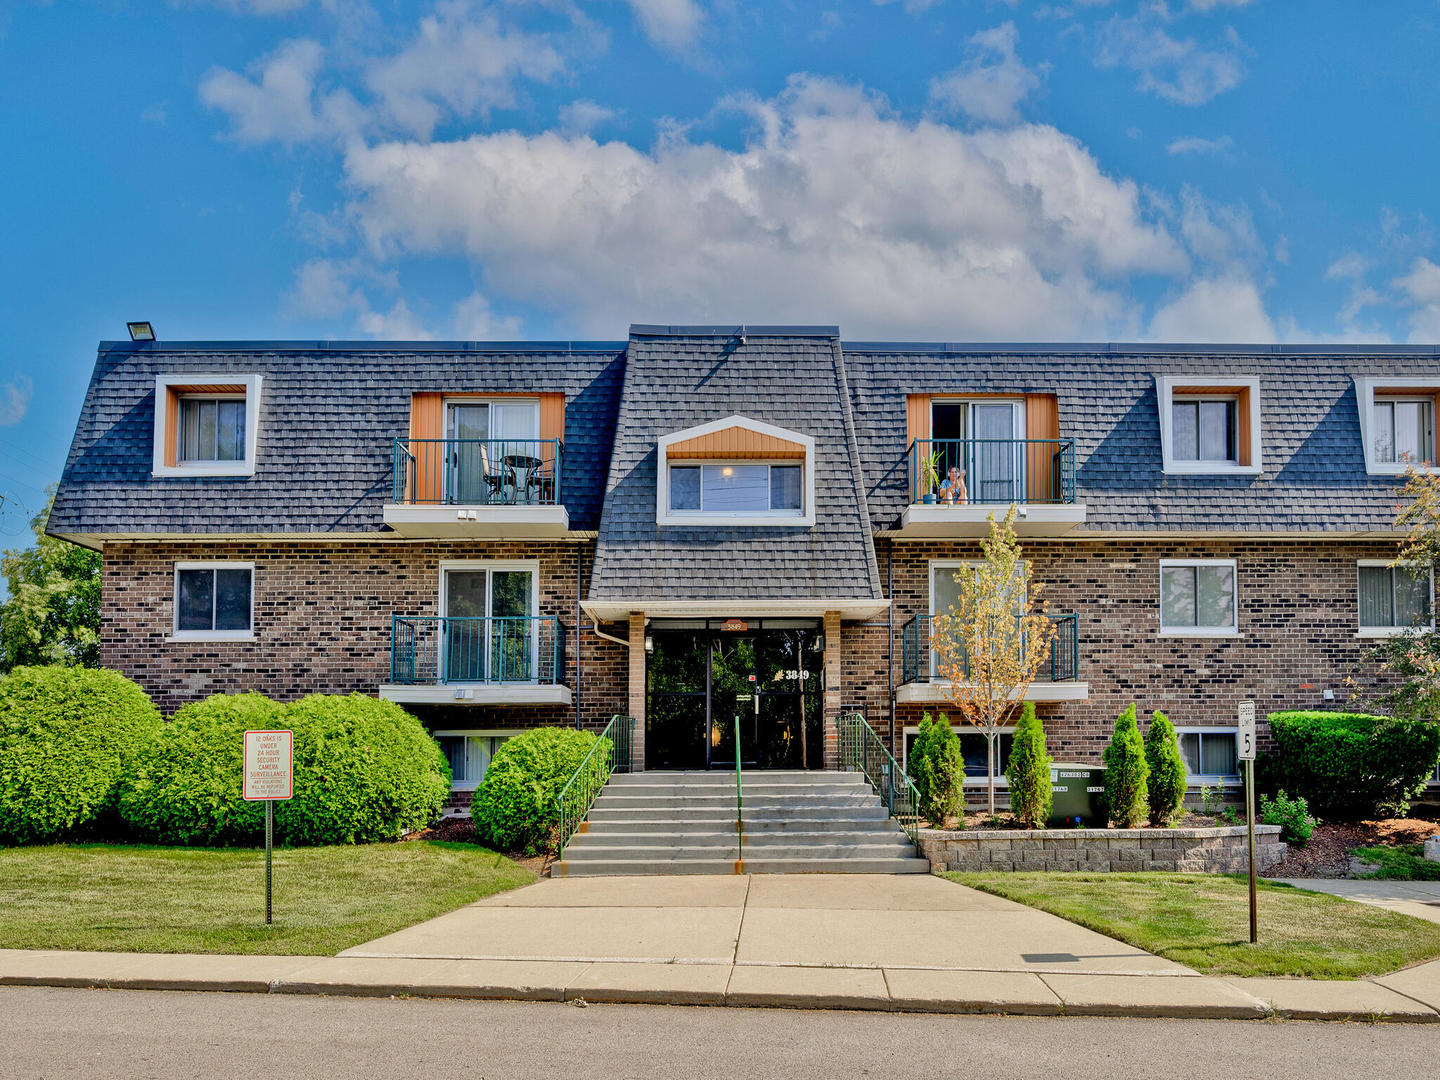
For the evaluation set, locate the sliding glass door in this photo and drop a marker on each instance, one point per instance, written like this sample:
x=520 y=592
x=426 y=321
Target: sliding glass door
x=489 y=633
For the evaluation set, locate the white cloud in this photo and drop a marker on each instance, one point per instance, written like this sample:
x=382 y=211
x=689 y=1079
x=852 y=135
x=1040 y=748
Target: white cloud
x=1180 y=71
x=279 y=102
x=1421 y=291
x=583 y=116
x=1212 y=5
x=397 y=324
x=1193 y=144
x=833 y=208
x=915 y=7
x=15 y=399
x=1349 y=265
x=1217 y=309
x=1215 y=232
x=670 y=24
x=461 y=60
x=475 y=320
x=991 y=83
x=256 y=7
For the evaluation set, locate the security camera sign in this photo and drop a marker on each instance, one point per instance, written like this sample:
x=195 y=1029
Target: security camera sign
x=268 y=765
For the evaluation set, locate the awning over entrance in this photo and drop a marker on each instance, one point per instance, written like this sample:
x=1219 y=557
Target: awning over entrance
x=740 y=608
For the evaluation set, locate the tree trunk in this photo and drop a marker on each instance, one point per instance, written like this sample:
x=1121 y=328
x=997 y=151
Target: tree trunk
x=990 y=767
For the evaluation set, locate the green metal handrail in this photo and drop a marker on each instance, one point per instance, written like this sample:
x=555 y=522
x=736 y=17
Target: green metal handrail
x=739 y=805
x=997 y=472
x=610 y=754
x=1063 y=663
x=862 y=751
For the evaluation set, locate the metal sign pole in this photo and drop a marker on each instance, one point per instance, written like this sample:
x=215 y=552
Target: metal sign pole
x=1245 y=747
x=269 y=843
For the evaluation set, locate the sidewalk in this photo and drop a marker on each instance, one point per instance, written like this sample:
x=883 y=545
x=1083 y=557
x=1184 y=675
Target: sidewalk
x=1418 y=898
x=841 y=942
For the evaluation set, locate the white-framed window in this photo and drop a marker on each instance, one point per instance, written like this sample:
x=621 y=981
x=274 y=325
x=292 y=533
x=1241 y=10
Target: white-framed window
x=206 y=424
x=214 y=601
x=1392 y=598
x=1198 y=597
x=1209 y=425
x=470 y=753
x=737 y=488
x=735 y=471
x=1397 y=422
x=1210 y=753
x=973 y=749
x=489 y=632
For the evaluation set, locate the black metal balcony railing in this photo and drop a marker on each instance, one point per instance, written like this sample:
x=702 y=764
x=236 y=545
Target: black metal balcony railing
x=477 y=472
x=435 y=650
x=995 y=472
x=918 y=663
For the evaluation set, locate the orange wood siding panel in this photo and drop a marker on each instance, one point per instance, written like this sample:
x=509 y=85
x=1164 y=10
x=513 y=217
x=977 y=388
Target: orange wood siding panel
x=425 y=476
x=1242 y=412
x=917 y=417
x=735 y=443
x=1042 y=421
x=552 y=416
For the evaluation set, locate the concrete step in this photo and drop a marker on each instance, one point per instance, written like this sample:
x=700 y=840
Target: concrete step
x=798 y=812
x=611 y=800
x=612 y=867
x=721 y=791
x=664 y=840
x=592 y=853
x=753 y=825
x=726 y=778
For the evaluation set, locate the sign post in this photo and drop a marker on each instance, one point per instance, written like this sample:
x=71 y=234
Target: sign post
x=1245 y=750
x=269 y=759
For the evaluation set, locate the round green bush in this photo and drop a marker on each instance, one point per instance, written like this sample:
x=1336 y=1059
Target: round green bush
x=186 y=788
x=1168 y=779
x=1028 y=771
x=364 y=770
x=514 y=806
x=67 y=735
x=1127 y=798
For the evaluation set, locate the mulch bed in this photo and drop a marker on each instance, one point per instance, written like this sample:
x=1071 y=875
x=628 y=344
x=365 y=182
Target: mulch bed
x=461 y=830
x=1327 y=855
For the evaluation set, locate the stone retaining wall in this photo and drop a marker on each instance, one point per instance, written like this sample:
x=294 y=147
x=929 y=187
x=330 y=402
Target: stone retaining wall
x=1211 y=851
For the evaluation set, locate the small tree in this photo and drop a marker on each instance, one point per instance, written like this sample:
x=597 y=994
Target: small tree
x=1167 y=778
x=938 y=769
x=52 y=614
x=992 y=643
x=1126 y=796
x=1029 y=771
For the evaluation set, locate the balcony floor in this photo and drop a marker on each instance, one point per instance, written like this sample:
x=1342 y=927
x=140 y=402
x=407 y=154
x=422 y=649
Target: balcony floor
x=925 y=693
x=477 y=693
x=504 y=520
x=936 y=520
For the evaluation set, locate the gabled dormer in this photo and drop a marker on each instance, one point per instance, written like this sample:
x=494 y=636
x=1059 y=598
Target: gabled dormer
x=735 y=471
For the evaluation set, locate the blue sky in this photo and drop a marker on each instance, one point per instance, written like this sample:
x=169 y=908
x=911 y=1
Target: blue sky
x=924 y=169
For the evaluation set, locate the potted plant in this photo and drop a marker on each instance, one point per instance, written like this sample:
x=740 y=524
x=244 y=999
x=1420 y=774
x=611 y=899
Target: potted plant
x=929 y=475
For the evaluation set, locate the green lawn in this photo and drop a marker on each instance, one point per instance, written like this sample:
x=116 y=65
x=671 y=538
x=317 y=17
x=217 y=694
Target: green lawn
x=1403 y=862
x=162 y=899
x=1203 y=921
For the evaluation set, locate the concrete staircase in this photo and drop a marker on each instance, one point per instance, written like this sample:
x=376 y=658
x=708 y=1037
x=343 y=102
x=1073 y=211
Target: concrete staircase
x=684 y=823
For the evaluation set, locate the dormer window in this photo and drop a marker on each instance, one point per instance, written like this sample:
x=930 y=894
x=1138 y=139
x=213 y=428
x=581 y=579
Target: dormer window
x=1397 y=423
x=206 y=425
x=735 y=471
x=1209 y=426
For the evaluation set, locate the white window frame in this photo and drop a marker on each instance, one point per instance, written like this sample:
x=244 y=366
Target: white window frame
x=772 y=518
x=242 y=467
x=702 y=463
x=1001 y=780
x=490 y=566
x=176 y=634
x=1365 y=403
x=1166 y=389
x=1209 y=779
x=473 y=733
x=1388 y=631
x=1199 y=631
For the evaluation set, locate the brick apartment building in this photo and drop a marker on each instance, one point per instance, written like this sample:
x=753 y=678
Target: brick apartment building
x=716 y=529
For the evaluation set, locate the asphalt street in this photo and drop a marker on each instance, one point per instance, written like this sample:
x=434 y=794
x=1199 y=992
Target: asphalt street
x=149 y=1035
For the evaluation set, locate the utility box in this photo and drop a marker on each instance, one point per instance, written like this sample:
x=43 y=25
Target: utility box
x=1079 y=792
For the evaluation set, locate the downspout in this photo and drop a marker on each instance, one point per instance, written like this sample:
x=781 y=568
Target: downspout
x=609 y=637
x=579 y=557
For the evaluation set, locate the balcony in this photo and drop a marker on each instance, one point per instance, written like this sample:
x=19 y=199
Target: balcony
x=504 y=488
x=443 y=660
x=1035 y=475
x=1058 y=680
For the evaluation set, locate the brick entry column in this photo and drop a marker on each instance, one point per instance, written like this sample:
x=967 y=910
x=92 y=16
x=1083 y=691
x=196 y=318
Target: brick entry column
x=833 y=691
x=637 y=688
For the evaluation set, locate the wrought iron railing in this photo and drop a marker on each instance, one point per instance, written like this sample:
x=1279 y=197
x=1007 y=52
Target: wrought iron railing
x=916 y=651
x=994 y=472
x=477 y=472
x=862 y=751
x=435 y=649
x=610 y=754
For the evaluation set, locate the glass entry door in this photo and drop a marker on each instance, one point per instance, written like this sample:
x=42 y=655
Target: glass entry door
x=489 y=635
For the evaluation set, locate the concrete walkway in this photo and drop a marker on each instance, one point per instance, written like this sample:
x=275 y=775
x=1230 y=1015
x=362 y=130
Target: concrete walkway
x=1418 y=898
x=883 y=942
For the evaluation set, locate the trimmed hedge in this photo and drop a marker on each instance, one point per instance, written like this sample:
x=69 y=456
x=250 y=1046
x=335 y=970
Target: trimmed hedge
x=1028 y=771
x=514 y=806
x=364 y=770
x=938 y=768
x=1127 y=797
x=67 y=735
x=1168 y=778
x=1350 y=766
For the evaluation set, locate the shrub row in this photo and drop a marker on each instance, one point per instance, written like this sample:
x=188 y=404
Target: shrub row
x=86 y=750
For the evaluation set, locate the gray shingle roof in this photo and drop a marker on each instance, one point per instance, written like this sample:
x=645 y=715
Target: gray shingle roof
x=1313 y=476
x=328 y=416
x=789 y=377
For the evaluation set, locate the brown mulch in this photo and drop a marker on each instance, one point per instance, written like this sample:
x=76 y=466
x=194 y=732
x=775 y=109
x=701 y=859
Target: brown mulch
x=1327 y=855
x=461 y=830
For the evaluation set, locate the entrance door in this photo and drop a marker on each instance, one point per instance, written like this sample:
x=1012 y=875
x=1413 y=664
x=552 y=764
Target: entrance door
x=984 y=439
x=734 y=701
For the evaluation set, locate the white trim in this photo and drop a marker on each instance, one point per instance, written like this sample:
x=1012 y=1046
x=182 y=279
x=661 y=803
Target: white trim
x=490 y=566
x=852 y=608
x=1200 y=631
x=509 y=693
x=936 y=691
x=1165 y=388
x=1390 y=631
x=770 y=519
x=1208 y=779
x=460 y=521
x=176 y=634
x=1365 y=404
x=245 y=467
